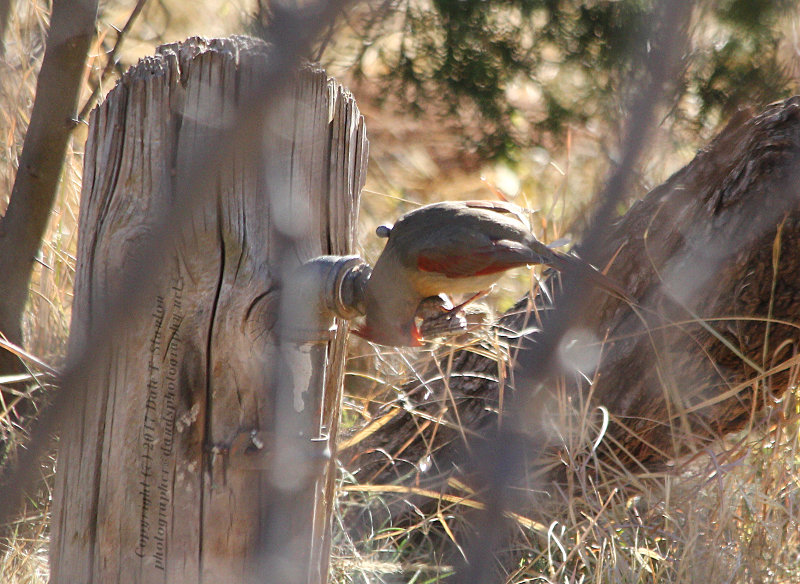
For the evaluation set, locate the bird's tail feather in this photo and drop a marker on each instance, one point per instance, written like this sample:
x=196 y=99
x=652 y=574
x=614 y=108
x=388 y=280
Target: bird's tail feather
x=572 y=264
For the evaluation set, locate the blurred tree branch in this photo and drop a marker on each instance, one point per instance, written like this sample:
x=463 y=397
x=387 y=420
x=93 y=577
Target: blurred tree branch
x=111 y=61
x=72 y=27
x=5 y=12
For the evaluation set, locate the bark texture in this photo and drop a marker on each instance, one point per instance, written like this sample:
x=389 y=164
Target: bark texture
x=170 y=470
x=712 y=258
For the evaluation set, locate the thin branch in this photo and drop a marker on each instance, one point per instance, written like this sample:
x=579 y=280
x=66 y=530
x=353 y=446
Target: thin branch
x=111 y=62
x=5 y=345
x=5 y=12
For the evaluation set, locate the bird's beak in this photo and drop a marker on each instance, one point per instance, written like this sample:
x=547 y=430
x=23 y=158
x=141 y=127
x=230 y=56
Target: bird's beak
x=416 y=336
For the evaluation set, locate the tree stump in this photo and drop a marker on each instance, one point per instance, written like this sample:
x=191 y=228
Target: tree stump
x=167 y=471
x=712 y=258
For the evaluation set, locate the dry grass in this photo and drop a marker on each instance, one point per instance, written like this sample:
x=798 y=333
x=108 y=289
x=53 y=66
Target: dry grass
x=24 y=552
x=726 y=516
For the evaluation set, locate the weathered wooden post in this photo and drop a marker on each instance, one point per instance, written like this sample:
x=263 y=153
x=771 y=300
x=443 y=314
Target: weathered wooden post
x=178 y=454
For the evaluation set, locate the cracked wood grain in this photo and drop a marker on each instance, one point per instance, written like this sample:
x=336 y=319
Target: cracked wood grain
x=145 y=491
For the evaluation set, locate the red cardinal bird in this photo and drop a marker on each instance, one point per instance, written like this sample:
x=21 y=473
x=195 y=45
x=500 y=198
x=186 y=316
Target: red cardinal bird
x=452 y=248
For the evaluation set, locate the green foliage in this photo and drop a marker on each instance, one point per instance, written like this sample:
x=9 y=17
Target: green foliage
x=463 y=58
x=743 y=63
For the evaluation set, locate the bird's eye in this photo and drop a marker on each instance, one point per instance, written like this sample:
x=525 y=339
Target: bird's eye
x=383 y=231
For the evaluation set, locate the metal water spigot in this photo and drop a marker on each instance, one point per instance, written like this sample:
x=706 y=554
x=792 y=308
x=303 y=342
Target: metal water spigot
x=322 y=288
x=342 y=281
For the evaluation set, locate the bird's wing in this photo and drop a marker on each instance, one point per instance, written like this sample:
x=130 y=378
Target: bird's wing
x=493 y=257
x=498 y=207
